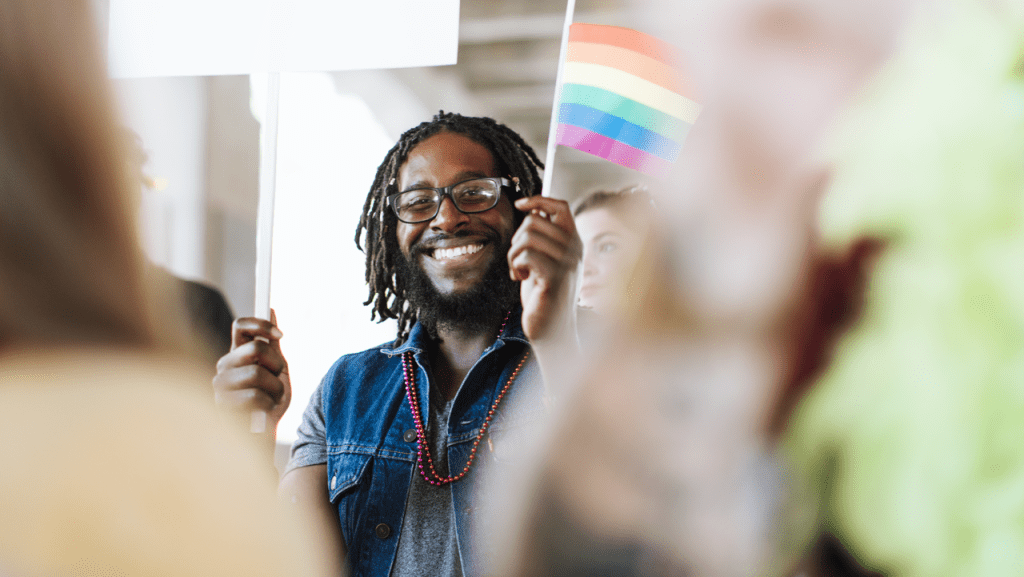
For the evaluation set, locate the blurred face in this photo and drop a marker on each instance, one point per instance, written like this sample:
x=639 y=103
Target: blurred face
x=454 y=250
x=610 y=250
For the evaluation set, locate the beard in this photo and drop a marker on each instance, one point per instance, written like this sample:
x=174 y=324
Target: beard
x=476 y=309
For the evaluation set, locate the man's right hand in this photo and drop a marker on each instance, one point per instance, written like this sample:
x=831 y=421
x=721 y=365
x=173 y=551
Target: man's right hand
x=253 y=376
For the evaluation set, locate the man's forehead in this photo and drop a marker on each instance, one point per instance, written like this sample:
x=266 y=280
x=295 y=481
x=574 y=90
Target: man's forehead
x=443 y=157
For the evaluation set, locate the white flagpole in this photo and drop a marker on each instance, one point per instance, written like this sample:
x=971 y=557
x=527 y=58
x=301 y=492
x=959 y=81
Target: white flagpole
x=265 y=216
x=549 y=160
x=268 y=185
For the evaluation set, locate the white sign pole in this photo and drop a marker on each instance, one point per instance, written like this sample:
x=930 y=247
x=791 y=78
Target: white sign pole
x=549 y=160
x=268 y=184
x=265 y=215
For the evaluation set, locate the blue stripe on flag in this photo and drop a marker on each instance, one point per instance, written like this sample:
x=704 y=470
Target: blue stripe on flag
x=618 y=129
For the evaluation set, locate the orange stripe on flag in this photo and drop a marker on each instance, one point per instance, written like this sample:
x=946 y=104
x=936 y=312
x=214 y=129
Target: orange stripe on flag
x=625 y=38
x=635 y=63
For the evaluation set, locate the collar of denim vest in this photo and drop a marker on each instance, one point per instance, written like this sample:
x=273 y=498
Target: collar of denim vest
x=419 y=339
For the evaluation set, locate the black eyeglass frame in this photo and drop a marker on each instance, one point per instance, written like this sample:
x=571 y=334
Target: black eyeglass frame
x=502 y=182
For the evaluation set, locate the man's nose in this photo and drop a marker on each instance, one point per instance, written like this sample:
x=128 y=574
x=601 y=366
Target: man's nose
x=448 y=217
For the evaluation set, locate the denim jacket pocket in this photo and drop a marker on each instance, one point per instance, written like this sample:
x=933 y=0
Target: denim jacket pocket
x=344 y=471
x=368 y=492
x=347 y=474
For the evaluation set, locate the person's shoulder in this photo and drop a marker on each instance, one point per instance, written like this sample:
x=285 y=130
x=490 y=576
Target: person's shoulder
x=367 y=362
x=356 y=382
x=386 y=350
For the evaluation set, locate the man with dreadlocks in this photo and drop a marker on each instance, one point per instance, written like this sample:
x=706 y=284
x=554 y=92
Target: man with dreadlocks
x=477 y=269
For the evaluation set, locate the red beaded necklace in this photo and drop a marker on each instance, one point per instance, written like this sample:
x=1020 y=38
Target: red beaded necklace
x=421 y=431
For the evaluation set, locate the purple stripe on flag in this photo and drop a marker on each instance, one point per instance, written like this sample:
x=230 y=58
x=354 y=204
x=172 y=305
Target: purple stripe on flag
x=611 y=149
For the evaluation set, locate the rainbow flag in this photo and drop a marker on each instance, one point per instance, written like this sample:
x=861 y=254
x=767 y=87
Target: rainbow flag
x=624 y=99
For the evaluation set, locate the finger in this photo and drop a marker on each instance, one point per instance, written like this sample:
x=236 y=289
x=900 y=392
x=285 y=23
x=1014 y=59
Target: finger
x=246 y=329
x=256 y=352
x=236 y=357
x=557 y=211
x=541 y=258
x=537 y=232
x=250 y=377
x=566 y=253
x=273 y=321
x=537 y=227
x=536 y=221
x=531 y=264
x=545 y=203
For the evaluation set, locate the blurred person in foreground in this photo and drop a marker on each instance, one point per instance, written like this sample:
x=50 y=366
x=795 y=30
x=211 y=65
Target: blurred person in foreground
x=478 y=270
x=619 y=230
x=662 y=457
x=112 y=463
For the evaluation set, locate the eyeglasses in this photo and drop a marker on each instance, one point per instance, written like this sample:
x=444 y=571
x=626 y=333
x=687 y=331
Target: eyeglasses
x=468 y=196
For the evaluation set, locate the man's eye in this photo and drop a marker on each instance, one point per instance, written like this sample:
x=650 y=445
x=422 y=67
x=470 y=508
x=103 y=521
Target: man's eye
x=474 y=197
x=417 y=200
x=474 y=191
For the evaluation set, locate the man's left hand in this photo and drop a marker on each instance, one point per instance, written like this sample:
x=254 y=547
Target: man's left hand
x=545 y=253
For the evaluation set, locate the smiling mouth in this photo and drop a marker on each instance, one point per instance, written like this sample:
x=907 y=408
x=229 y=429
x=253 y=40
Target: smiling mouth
x=454 y=252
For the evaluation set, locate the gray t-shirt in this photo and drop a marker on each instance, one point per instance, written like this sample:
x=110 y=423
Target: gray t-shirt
x=427 y=543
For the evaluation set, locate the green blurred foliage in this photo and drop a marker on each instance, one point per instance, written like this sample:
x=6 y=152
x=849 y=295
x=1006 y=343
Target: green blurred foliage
x=915 y=434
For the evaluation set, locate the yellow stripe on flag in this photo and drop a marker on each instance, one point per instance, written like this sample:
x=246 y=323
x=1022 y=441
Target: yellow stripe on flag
x=632 y=62
x=632 y=87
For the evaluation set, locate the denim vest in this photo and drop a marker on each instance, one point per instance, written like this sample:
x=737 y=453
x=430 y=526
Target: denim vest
x=371 y=442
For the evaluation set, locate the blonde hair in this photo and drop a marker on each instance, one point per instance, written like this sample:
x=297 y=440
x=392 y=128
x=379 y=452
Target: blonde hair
x=71 y=270
x=633 y=204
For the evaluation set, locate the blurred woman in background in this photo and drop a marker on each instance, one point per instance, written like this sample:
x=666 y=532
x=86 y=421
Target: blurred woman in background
x=613 y=226
x=111 y=462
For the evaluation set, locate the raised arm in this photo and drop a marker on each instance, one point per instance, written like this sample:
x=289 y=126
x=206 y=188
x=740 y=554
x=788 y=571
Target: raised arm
x=545 y=254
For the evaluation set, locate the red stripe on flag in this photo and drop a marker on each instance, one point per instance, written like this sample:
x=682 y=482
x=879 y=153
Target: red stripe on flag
x=626 y=38
x=612 y=150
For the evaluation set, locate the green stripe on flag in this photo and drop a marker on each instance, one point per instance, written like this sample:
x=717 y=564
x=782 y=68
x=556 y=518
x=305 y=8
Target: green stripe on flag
x=625 y=108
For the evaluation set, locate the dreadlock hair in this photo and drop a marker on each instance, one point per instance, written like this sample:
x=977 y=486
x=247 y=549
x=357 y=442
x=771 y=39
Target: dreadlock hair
x=513 y=157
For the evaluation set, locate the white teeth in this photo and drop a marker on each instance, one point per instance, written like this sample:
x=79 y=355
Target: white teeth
x=447 y=253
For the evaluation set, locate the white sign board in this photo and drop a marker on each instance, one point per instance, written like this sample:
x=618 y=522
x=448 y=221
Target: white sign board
x=220 y=37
